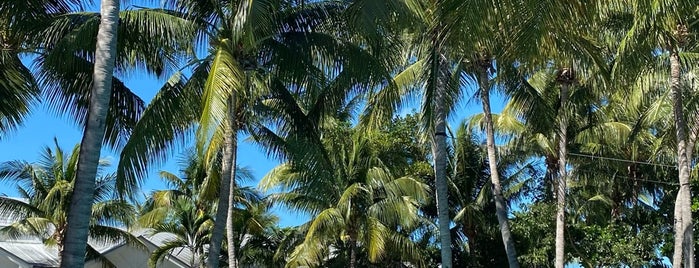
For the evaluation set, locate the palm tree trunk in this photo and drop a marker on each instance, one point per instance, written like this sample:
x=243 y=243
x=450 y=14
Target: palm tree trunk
x=221 y=213
x=193 y=260
x=439 y=151
x=683 y=217
x=232 y=148
x=353 y=254
x=227 y=177
x=219 y=227
x=500 y=204
x=81 y=201
x=562 y=177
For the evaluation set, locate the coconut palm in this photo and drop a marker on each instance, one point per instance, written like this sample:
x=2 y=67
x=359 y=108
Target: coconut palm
x=188 y=205
x=45 y=191
x=19 y=22
x=537 y=102
x=19 y=90
x=433 y=71
x=354 y=202
x=95 y=127
x=233 y=78
x=63 y=49
x=190 y=224
x=669 y=33
x=168 y=209
x=469 y=196
x=254 y=235
x=579 y=61
x=450 y=43
x=64 y=68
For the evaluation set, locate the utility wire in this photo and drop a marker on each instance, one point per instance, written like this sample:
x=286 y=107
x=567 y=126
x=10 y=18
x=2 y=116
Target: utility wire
x=632 y=178
x=622 y=160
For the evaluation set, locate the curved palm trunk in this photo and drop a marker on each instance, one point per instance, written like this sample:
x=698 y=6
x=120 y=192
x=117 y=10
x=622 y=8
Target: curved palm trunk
x=219 y=228
x=232 y=148
x=81 y=201
x=439 y=152
x=225 y=188
x=562 y=177
x=683 y=248
x=500 y=204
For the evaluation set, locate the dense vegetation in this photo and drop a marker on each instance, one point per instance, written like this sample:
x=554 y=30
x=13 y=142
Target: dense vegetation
x=591 y=161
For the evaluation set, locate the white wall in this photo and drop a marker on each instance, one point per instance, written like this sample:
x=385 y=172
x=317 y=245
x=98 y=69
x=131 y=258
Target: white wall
x=128 y=256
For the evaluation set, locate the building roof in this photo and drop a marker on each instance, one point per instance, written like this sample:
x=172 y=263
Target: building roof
x=182 y=254
x=34 y=253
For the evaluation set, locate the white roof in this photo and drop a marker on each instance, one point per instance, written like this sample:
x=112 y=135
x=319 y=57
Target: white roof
x=36 y=254
x=182 y=254
x=33 y=251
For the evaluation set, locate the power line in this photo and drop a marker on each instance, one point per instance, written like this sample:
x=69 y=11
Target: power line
x=622 y=160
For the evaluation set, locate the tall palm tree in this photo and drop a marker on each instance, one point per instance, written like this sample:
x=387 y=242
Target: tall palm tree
x=246 y=50
x=354 y=201
x=668 y=33
x=573 y=52
x=64 y=36
x=532 y=120
x=91 y=144
x=469 y=196
x=46 y=188
x=189 y=203
x=450 y=46
x=433 y=71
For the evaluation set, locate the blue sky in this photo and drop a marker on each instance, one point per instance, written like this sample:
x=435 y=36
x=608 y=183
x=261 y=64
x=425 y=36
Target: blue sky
x=43 y=125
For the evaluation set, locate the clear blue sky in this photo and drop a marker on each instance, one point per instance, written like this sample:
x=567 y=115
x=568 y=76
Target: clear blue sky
x=43 y=125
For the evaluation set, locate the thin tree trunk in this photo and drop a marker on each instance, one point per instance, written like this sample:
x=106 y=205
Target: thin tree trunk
x=232 y=147
x=693 y=131
x=224 y=192
x=353 y=254
x=59 y=244
x=219 y=228
x=81 y=201
x=562 y=177
x=439 y=151
x=683 y=217
x=193 y=260
x=500 y=204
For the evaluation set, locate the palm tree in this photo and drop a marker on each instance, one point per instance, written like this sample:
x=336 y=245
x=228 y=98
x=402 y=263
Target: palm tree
x=433 y=70
x=230 y=81
x=531 y=120
x=252 y=226
x=189 y=203
x=19 y=22
x=354 y=201
x=46 y=189
x=65 y=65
x=18 y=88
x=449 y=47
x=91 y=144
x=191 y=226
x=668 y=34
x=352 y=198
x=63 y=55
x=573 y=53
x=474 y=231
